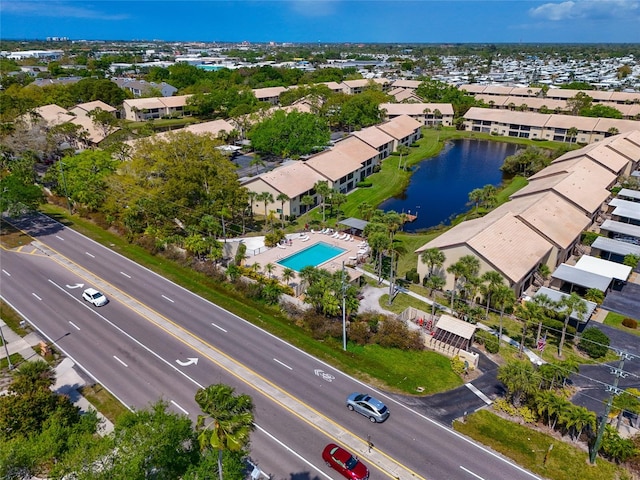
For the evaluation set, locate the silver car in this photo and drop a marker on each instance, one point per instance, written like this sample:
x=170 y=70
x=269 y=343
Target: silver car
x=370 y=407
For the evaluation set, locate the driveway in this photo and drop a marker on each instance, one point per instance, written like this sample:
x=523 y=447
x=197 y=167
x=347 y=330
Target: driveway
x=625 y=301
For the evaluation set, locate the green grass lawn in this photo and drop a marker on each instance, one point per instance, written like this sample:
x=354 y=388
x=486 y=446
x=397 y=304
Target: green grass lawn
x=615 y=320
x=528 y=448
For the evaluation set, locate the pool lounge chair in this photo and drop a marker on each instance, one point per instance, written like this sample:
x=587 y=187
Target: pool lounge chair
x=282 y=246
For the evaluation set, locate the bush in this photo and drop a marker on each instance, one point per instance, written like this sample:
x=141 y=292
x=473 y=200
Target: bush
x=589 y=237
x=396 y=334
x=457 y=365
x=359 y=333
x=364 y=184
x=594 y=343
x=630 y=323
x=413 y=276
x=489 y=341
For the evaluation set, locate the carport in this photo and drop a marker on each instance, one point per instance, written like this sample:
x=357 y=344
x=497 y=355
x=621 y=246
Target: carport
x=622 y=231
x=557 y=296
x=614 y=250
x=628 y=194
x=568 y=274
x=630 y=214
x=614 y=270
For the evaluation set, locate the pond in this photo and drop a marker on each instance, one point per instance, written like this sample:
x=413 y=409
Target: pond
x=439 y=187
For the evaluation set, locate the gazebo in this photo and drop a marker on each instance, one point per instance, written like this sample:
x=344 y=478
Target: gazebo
x=355 y=225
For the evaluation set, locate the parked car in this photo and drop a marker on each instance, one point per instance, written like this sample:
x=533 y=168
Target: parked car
x=370 y=407
x=344 y=463
x=95 y=297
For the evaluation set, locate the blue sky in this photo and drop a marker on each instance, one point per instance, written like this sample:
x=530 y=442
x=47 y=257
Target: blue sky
x=385 y=21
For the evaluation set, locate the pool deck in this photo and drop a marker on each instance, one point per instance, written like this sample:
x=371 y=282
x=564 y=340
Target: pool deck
x=273 y=255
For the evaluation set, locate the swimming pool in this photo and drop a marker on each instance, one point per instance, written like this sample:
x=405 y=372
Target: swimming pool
x=314 y=255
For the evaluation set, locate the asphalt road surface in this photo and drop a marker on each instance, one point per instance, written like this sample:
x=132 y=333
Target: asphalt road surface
x=157 y=340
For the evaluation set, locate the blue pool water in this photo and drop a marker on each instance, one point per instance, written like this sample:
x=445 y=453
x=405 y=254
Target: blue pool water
x=314 y=255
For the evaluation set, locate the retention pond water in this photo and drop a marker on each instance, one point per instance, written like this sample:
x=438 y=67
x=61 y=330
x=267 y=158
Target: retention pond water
x=439 y=187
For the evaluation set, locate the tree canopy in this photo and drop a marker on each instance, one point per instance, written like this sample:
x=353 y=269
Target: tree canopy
x=290 y=134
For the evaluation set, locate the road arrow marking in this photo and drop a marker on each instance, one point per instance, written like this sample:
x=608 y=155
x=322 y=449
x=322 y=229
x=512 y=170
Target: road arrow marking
x=77 y=285
x=327 y=377
x=190 y=361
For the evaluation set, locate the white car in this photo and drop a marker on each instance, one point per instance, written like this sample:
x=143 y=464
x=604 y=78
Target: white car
x=93 y=296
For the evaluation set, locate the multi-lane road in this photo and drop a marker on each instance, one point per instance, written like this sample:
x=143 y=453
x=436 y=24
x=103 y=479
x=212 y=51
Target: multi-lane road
x=154 y=340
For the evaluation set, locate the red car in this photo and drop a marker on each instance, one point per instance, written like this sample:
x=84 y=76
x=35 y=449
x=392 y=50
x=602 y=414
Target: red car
x=345 y=463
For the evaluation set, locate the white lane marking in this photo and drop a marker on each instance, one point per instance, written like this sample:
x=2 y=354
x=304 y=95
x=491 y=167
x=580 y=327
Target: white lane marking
x=87 y=253
x=36 y=296
x=471 y=473
x=178 y=406
x=288 y=449
x=59 y=238
x=74 y=325
x=121 y=361
x=167 y=298
x=122 y=273
x=6 y=273
x=219 y=327
x=283 y=364
x=480 y=395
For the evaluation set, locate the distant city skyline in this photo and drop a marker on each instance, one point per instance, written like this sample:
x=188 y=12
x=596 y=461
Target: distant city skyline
x=326 y=21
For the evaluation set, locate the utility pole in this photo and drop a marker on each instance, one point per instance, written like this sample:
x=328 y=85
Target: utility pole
x=64 y=184
x=390 y=301
x=6 y=349
x=344 y=309
x=613 y=390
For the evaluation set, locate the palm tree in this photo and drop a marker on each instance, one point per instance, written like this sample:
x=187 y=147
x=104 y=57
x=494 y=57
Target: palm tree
x=226 y=422
x=269 y=268
x=324 y=190
x=287 y=275
x=520 y=378
x=402 y=150
x=505 y=298
x=527 y=312
x=494 y=280
x=282 y=198
x=475 y=196
x=572 y=133
x=545 y=302
x=307 y=201
x=457 y=270
x=266 y=198
x=577 y=418
x=257 y=162
x=568 y=305
x=432 y=257
x=252 y=198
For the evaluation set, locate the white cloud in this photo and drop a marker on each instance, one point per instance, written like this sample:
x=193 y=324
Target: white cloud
x=56 y=9
x=587 y=9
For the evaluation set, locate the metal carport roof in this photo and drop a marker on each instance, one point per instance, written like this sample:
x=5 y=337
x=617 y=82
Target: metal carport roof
x=605 y=268
x=627 y=192
x=354 y=223
x=627 y=212
x=556 y=296
x=582 y=278
x=621 y=228
x=615 y=246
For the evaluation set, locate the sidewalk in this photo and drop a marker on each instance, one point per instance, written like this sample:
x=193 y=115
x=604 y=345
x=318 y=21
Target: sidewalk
x=535 y=359
x=68 y=380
